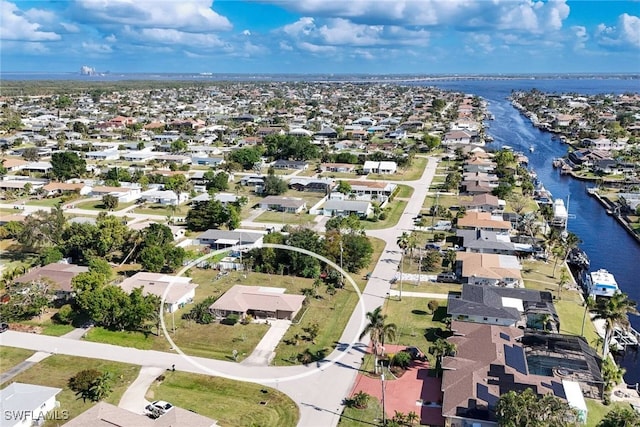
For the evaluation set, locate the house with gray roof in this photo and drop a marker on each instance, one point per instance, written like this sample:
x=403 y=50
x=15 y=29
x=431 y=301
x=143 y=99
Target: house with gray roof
x=486 y=242
x=334 y=207
x=283 y=204
x=503 y=306
x=220 y=239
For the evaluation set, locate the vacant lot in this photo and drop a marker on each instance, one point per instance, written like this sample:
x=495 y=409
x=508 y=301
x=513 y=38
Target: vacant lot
x=230 y=403
x=11 y=356
x=412 y=173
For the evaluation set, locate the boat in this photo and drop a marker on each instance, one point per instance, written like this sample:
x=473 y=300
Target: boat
x=560 y=214
x=578 y=258
x=532 y=148
x=601 y=283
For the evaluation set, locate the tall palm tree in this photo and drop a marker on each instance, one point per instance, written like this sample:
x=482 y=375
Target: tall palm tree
x=613 y=311
x=441 y=348
x=378 y=330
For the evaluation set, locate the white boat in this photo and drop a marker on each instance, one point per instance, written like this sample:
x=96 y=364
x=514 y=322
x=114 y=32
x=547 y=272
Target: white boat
x=601 y=283
x=532 y=148
x=560 y=214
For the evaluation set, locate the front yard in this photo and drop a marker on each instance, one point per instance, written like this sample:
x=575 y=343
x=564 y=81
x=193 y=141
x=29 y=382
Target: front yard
x=412 y=173
x=11 y=356
x=232 y=403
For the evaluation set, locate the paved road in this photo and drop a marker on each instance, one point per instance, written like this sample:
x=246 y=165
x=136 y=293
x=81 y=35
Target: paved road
x=318 y=389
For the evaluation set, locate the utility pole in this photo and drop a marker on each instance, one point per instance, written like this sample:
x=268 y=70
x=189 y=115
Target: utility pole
x=401 y=272
x=384 y=420
x=341 y=275
x=419 y=264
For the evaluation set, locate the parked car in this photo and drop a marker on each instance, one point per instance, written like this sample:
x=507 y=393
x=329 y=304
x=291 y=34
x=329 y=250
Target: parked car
x=447 y=277
x=157 y=409
x=4 y=327
x=432 y=246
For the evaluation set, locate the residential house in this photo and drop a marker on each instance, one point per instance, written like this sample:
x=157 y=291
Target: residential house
x=13 y=165
x=105 y=155
x=318 y=185
x=361 y=208
x=525 y=308
x=484 y=203
x=26 y=405
x=489 y=269
x=220 y=239
x=55 y=188
x=256 y=180
x=486 y=242
x=290 y=164
x=492 y=360
x=163 y=197
x=457 y=137
x=176 y=159
x=224 y=198
x=258 y=302
x=181 y=290
x=483 y=221
x=375 y=190
x=124 y=194
x=283 y=204
x=603 y=144
x=338 y=167
x=104 y=414
x=40 y=167
x=207 y=161
x=57 y=275
x=384 y=168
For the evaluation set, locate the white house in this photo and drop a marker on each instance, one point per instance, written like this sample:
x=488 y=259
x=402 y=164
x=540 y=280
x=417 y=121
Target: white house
x=379 y=167
x=163 y=197
x=124 y=194
x=26 y=405
x=362 y=208
x=181 y=290
x=112 y=154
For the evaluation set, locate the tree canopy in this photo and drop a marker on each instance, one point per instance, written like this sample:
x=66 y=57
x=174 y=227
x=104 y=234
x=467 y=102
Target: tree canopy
x=528 y=409
x=212 y=214
x=246 y=156
x=290 y=147
x=67 y=164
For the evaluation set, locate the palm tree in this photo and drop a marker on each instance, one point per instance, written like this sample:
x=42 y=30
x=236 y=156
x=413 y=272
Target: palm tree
x=378 y=331
x=564 y=279
x=441 y=348
x=613 y=311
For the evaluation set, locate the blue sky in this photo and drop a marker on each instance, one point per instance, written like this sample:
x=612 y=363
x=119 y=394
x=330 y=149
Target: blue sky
x=321 y=36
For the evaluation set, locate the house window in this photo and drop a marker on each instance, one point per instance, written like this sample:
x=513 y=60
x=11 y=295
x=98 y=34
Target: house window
x=485 y=318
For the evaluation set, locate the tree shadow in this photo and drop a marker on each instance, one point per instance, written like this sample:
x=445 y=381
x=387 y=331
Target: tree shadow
x=419 y=312
x=440 y=314
x=433 y=334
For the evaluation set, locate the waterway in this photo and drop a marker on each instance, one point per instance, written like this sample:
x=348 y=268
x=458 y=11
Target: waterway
x=607 y=244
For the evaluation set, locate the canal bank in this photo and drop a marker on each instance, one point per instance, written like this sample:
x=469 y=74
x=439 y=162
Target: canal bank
x=604 y=239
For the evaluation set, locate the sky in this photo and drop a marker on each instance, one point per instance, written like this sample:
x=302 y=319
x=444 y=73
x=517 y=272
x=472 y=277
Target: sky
x=321 y=36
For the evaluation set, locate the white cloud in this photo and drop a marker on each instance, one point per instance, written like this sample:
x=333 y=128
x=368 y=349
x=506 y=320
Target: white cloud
x=285 y=46
x=92 y=47
x=167 y=36
x=17 y=26
x=624 y=35
x=342 y=32
x=70 y=28
x=480 y=42
x=111 y=38
x=524 y=15
x=246 y=33
x=185 y=15
x=315 y=48
x=581 y=36
x=39 y=15
x=302 y=26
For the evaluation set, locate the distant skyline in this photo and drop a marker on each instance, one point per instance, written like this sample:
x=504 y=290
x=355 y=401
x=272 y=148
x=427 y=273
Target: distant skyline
x=321 y=36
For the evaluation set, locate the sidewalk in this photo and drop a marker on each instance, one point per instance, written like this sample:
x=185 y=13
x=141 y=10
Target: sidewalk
x=23 y=366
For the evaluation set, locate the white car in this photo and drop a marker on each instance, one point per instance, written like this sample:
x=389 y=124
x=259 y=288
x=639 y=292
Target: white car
x=158 y=408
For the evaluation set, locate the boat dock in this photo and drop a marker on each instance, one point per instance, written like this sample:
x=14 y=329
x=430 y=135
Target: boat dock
x=624 y=338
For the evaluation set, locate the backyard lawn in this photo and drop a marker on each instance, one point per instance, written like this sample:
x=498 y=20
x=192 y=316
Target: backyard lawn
x=393 y=216
x=286 y=218
x=232 y=403
x=11 y=356
x=55 y=371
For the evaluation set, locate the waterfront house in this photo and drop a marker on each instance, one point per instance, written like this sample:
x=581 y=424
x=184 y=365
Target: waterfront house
x=484 y=203
x=489 y=269
x=181 y=291
x=486 y=242
x=503 y=306
x=483 y=221
x=258 y=302
x=283 y=204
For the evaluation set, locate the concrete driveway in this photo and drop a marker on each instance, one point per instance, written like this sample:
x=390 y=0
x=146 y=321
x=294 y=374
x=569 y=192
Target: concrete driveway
x=133 y=399
x=264 y=352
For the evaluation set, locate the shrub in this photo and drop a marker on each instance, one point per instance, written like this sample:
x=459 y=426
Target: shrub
x=360 y=400
x=246 y=319
x=433 y=306
x=402 y=359
x=65 y=315
x=231 y=319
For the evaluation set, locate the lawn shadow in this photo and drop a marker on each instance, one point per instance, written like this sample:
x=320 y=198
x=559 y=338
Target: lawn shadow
x=433 y=334
x=419 y=312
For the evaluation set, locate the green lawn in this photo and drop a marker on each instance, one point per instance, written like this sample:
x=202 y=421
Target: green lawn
x=597 y=411
x=96 y=205
x=404 y=191
x=157 y=209
x=416 y=325
x=285 y=218
x=370 y=416
x=393 y=216
x=571 y=315
x=11 y=356
x=55 y=371
x=444 y=200
x=48 y=203
x=231 y=403
x=332 y=314
x=412 y=173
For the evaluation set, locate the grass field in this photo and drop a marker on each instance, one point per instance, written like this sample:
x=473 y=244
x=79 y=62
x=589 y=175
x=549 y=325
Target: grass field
x=285 y=218
x=156 y=209
x=230 y=403
x=96 y=205
x=55 y=371
x=370 y=416
x=412 y=173
x=597 y=411
x=404 y=191
x=417 y=326
x=393 y=216
x=11 y=356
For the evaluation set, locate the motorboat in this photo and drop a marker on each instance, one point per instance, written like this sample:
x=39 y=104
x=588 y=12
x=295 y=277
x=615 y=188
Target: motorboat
x=601 y=283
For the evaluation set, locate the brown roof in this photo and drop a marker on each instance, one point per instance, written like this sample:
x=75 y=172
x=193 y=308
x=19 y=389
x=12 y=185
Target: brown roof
x=370 y=184
x=107 y=415
x=107 y=189
x=11 y=163
x=487 y=266
x=63 y=186
x=4 y=218
x=482 y=220
x=60 y=274
x=241 y=298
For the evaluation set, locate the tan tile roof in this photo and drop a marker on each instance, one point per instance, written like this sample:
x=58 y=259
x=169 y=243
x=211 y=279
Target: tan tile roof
x=156 y=284
x=485 y=266
x=11 y=163
x=60 y=274
x=241 y=298
x=482 y=220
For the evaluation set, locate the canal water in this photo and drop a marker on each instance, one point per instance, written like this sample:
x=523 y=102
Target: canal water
x=607 y=244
